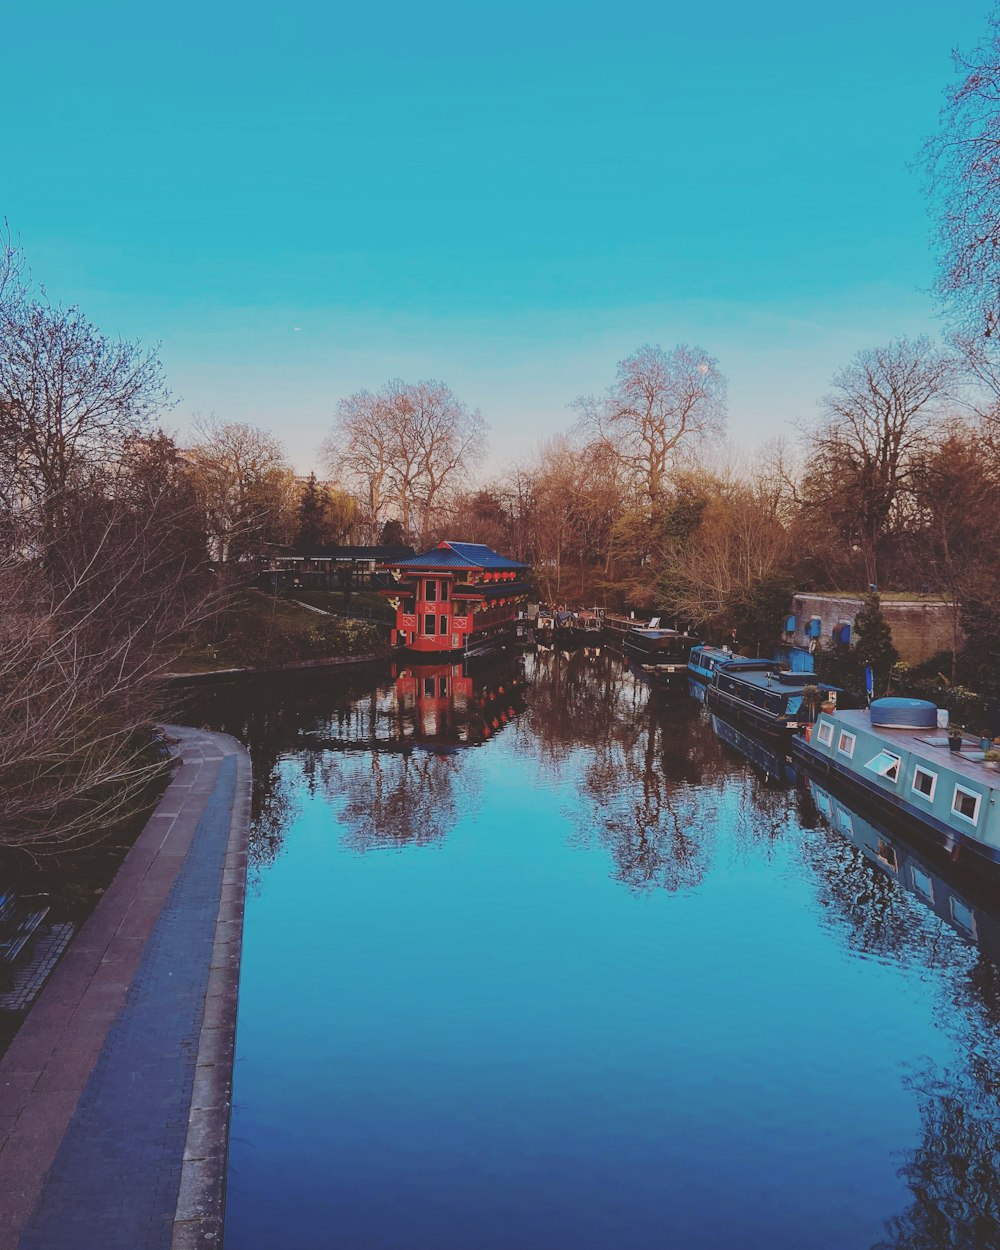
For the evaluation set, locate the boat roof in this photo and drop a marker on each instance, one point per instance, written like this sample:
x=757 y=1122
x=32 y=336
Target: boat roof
x=765 y=673
x=930 y=745
x=726 y=657
x=659 y=633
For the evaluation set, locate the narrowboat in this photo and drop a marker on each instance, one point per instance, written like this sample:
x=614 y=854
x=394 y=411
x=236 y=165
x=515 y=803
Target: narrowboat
x=770 y=699
x=662 y=651
x=704 y=660
x=895 y=759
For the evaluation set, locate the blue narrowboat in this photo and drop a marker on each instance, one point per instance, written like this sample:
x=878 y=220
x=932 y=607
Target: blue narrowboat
x=766 y=696
x=704 y=660
x=895 y=759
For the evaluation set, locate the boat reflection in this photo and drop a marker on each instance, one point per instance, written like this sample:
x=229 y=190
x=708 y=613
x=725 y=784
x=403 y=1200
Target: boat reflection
x=965 y=902
x=970 y=907
x=767 y=756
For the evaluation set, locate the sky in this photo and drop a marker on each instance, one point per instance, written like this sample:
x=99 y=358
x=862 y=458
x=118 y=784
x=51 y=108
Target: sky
x=299 y=201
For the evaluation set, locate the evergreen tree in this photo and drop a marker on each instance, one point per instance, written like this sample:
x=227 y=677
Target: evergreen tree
x=312 y=515
x=874 y=640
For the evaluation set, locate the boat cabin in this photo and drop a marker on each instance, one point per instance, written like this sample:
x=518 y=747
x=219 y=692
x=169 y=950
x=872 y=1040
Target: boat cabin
x=704 y=660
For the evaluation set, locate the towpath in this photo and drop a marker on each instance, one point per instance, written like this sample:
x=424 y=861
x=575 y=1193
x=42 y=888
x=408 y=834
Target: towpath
x=115 y=1093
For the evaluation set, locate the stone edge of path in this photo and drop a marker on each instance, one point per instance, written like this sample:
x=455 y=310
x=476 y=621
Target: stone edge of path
x=201 y=1197
x=48 y=1063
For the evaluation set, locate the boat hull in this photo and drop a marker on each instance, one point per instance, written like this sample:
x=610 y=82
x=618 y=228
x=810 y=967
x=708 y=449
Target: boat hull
x=760 y=720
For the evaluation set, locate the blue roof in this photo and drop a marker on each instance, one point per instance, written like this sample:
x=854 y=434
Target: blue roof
x=459 y=556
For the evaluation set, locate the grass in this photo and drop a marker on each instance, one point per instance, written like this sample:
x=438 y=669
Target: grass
x=259 y=630
x=336 y=601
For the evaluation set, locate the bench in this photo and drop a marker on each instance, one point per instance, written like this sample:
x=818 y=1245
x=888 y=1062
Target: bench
x=19 y=921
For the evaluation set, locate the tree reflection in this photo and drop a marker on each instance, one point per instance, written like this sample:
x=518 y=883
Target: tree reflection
x=647 y=770
x=387 y=753
x=393 y=799
x=952 y=1172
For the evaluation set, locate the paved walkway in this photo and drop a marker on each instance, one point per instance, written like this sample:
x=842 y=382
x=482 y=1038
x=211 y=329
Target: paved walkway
x=115 y=1093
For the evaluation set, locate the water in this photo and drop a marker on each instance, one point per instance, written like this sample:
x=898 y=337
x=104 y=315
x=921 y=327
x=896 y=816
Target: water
x=539 y=960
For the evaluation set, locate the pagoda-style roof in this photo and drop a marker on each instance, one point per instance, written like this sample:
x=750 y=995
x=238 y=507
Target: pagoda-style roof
x=449 y=555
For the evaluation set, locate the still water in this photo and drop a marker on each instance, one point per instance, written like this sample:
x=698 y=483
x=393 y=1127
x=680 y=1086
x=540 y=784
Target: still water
x=536 y=959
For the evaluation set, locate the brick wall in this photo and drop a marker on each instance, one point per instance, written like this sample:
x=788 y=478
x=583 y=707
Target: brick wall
x=918 y=629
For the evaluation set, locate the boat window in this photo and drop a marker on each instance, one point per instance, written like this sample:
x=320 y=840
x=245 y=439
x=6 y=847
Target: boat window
x=429 y=622
x=444 y=592
x=823 y=803
x=962 y=915
x=826 y=732
x=444 y=624
x=887 y=853
x=845 y=822
x=924 y=782
x=845 y=743
x=965 y=803
x=886 y=765
x=922 y=883
x=430 y=591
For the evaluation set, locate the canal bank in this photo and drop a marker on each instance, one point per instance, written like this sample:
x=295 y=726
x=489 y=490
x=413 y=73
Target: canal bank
x=212 y=676
x=115 y=1093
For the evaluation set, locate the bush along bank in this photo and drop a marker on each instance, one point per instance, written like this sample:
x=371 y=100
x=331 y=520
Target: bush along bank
x=259 y=631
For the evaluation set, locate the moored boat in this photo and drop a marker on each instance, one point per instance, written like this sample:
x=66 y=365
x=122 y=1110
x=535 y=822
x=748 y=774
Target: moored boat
x=704 y=660
x=767 y=697
x=663 y=651
x=894 y=758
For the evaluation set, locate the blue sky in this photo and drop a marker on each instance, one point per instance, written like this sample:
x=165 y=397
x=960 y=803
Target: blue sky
x=298 y=201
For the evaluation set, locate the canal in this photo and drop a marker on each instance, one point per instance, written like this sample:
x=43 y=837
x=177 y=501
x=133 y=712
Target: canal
x=540 y=958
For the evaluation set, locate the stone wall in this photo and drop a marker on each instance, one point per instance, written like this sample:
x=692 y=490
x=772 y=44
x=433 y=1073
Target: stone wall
x=918 y=629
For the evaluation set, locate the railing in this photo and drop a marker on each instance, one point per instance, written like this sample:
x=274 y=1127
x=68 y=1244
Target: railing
x=378 y=616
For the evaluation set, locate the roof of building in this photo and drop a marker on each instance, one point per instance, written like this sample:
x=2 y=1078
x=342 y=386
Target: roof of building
x=326 y=551
x=448 y=555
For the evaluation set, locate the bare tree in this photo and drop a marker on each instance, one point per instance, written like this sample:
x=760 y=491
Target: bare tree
x=739 y=548
x=963 y=167
x=246 y=487
x=403 y=449
x=877 y=418
x=70 y=397
x=88 y=627
x=359 y=451
x=956 y=523
x=661 y=404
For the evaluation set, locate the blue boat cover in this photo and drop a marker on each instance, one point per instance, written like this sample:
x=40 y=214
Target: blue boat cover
x=904 y=714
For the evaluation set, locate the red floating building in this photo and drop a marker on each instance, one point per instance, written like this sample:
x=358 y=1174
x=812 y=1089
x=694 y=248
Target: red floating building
x=458 y=597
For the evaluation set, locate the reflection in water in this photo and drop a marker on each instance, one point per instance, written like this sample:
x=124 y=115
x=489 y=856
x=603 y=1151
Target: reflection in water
x=785 y=998
x=386 y=752
x=877 y=882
